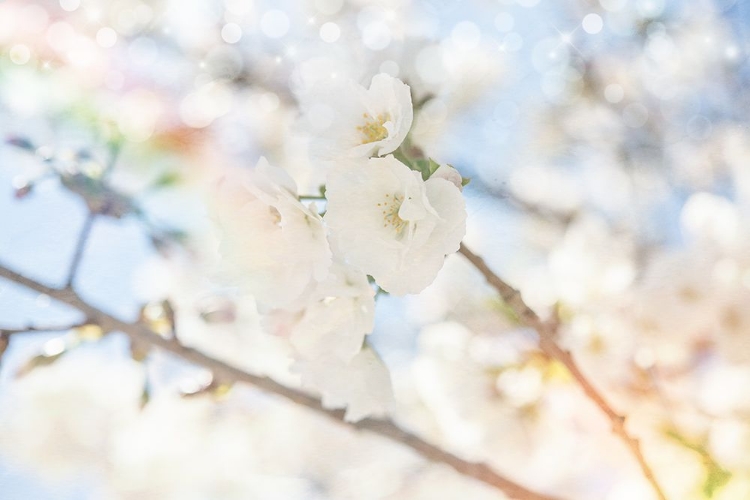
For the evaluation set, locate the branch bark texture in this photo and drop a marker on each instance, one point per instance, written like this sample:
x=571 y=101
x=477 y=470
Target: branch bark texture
x=146 y=338
x=548 y=344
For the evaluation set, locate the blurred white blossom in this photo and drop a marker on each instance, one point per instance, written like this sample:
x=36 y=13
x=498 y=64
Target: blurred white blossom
x=339 y=314
x=62 y=418
x=272 y=244
x=362 y=385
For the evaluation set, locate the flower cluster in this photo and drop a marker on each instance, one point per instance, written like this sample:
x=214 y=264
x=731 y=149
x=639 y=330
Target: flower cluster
x=389 y=221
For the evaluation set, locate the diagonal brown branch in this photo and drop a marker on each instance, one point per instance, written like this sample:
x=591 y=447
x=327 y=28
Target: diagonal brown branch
x=42 y=329
x=143 y=336
x=547 y=343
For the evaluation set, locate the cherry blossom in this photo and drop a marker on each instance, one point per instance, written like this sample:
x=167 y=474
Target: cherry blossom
x=362 y=386
x=388 y=222
x=339 y=315
x=349 y=121
x=450 y=174
x=74 y=411
x=273 y=245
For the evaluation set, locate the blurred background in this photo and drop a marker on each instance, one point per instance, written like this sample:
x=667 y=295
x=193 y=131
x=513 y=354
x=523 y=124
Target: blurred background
x=608 y=153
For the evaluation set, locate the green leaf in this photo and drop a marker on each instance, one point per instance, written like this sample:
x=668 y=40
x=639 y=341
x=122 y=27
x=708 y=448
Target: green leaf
x=425 y=166
x=465 y=181
x=403 y=158
x=433 y=166
x=430 y=167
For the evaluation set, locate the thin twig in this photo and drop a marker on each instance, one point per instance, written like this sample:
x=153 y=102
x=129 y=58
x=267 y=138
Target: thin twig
x=141 y=335
x=547 y=334
x=89 y=222
x=561 y=217
x=80 y=246
x=4 y=343
x=42 y=329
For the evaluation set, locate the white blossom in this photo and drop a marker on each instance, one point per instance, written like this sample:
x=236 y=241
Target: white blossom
x=450 y=174
x=194 y=449
x=218 y=322
x=337 y=318
x=362 y=386
x=276 y=244
x=61 y=418
x=349 y=121
x=388 y=222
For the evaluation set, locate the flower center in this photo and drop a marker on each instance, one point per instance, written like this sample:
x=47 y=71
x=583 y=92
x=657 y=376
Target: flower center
x=390 y=207
x=373 y=129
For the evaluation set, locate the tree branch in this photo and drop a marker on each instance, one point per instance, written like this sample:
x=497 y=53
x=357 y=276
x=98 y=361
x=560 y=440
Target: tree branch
x=561 y=217
x=143 y=336
x=42 y=329
x=547 y=344
x=89 y=222
x=80 y=246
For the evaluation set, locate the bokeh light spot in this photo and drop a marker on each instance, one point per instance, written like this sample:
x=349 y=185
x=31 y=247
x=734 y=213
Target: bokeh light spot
x=376 y=35
x=330 y=32
x=70 y=5
x=274 y=23
x=592 y=24
x=106 y=37
x=20 y=54
x=231 y=33
x=650 y=8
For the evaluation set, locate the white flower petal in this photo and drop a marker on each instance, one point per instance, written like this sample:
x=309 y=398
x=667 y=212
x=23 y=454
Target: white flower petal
x=349 y=121
x=450 y=174
x=388 y=222
x=272 y=245
x=339 y=315
x=362 y=386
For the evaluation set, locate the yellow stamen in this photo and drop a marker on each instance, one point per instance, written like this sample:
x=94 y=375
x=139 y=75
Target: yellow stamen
x=373 y=129
x=390 y=210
